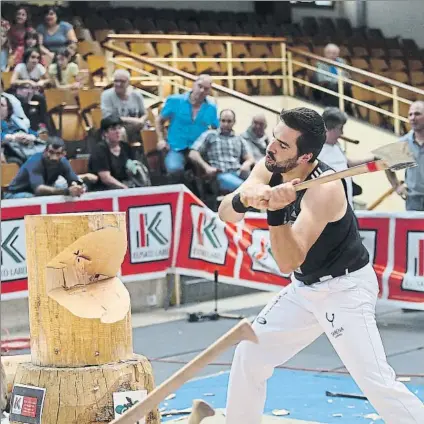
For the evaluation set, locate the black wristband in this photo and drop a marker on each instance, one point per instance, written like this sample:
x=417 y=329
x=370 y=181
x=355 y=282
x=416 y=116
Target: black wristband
x=238 y=205
x=67 y=192
x=278 y=217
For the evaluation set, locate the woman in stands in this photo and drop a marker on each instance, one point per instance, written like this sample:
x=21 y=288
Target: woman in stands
x=18 y=145
x=5 y=45
x=30 y=71
x=29 y=79
x=54 y=33
x=63 y=73
x=31 y=40
x=20 y=27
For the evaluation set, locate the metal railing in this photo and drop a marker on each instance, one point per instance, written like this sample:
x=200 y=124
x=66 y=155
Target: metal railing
x=173 y=76
x=289 y=68
x=393 y=100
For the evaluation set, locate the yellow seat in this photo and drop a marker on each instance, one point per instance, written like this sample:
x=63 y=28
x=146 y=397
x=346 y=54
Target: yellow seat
x=79 y=165
x=89 y=98
x=150 y=140
x=8 y=173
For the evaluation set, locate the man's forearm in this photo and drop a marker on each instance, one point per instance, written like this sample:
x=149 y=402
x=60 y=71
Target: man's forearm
x=112 y=182
x=356 y=162
x=391 y=176
x=44 y=190
x=197 y=158
x=226 y=211
x=285 y=248
x=136 y=121
x=159 y=129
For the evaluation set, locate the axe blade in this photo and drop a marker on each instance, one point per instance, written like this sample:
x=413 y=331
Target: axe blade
x=396 y=155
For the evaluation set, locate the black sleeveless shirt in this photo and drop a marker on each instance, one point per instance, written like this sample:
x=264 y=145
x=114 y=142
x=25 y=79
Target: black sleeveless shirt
x=339 y=248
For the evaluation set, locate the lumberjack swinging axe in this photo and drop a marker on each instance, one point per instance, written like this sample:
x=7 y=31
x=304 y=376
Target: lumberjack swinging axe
x=393 y=156
x=242 y=331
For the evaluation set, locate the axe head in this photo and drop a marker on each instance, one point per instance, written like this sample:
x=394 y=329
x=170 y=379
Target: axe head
x=396 y=155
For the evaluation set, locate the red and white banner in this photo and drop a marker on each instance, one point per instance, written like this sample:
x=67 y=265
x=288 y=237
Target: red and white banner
x=171 y=231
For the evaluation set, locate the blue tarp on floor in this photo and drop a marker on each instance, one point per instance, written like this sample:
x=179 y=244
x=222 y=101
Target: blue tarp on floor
x=300 y=392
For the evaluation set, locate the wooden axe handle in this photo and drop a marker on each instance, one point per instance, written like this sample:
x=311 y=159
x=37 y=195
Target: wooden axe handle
x=384 y=196
x=242 y=331
x=374 y=166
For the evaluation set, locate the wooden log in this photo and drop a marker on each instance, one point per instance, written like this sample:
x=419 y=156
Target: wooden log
x=84 y=395
x=79 y=311
x=3 y=394
x=9 y=365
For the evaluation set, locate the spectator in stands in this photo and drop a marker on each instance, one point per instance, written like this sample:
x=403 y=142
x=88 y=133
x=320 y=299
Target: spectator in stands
x=30 y=71
x=223 y=154
x=190 y=115
x=63 y=73
x=55 y=34
x=18 y=145
x=110 y=156
x=29 y=78
x=20 y=27
x=413 y=189
x=331 y=52
x=125 y=101
x=38 y=175
x=332 y=153
x=31 y=40
x=10 y=130
x=5 y=45
x=256 y=138
x=18 y=115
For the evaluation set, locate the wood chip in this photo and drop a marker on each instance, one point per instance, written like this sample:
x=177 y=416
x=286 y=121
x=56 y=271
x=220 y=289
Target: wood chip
x=171 y=396
x=280 y=412
x=373 y=417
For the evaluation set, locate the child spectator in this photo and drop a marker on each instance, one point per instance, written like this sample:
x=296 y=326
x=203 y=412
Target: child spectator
x=63 y=73
x=31 y=40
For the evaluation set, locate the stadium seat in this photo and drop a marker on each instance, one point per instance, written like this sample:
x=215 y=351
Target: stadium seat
x=8 y=173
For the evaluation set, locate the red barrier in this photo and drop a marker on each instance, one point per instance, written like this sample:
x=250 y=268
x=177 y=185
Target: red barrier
x=171 y=231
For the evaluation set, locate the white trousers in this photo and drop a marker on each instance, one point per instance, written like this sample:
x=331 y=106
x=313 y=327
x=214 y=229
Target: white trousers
x=343 y=308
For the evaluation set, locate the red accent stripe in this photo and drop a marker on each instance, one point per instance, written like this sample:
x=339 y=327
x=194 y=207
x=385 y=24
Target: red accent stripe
x=199 y=228
x=372 y=166
x=142 y=231
x=421 y=258
x=14 y=286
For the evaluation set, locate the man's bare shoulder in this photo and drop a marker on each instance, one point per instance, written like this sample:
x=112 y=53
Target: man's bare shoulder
x=327 y=201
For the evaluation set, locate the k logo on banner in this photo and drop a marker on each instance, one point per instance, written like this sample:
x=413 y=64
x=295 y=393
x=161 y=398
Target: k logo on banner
x=13 y=262
x=151 y=233
x=260 y=252
x=209 y=241
x=414 y=276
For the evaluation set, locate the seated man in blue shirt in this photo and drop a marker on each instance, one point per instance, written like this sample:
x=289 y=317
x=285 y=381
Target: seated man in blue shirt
x=190 y=115
x=37 y=175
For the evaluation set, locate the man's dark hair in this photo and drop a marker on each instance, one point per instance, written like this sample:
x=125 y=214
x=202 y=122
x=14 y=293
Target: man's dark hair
x=55 y=142
x=333 y=117
x=311 y=126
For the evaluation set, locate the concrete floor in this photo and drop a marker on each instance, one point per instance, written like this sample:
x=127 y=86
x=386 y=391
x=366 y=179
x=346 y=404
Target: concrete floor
x=180 y=341
x=173 y=341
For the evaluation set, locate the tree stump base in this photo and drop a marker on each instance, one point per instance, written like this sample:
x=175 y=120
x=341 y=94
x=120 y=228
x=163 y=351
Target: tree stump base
x=84 y=395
